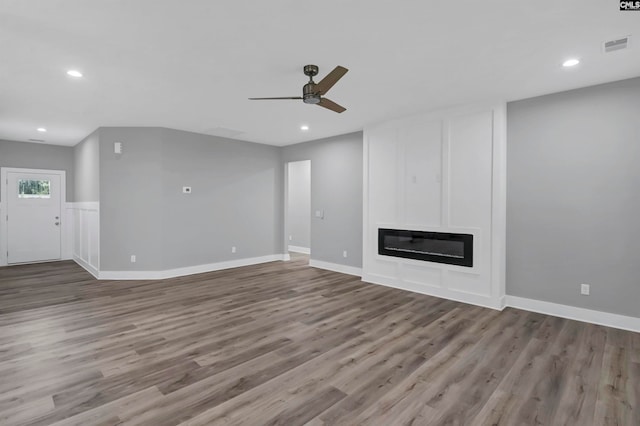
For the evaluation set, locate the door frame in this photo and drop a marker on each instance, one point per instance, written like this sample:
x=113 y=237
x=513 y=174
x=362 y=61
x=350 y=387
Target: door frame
x=285 y=207
x=4 y=191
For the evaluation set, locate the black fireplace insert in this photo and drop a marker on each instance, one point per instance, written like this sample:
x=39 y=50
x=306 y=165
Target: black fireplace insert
x=440 y=247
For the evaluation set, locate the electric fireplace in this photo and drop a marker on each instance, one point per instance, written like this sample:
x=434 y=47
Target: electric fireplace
x=440 y=247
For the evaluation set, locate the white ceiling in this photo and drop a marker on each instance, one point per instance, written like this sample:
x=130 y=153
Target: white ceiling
x=191 y=65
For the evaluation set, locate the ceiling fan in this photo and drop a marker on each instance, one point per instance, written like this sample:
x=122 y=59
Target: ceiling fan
x=312 y=92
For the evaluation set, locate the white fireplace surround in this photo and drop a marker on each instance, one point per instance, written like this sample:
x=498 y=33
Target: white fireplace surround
x=439 y=172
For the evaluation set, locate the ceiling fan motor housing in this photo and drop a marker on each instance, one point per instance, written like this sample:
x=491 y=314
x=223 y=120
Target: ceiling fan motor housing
x=309 y=95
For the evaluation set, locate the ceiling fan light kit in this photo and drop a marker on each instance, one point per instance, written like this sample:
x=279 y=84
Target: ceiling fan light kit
x=312 y=92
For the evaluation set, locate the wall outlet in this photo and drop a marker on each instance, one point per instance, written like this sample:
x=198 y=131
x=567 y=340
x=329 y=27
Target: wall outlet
x=233 y=249
x=133 y=258
x=117 y=147
x=290 y=237
x=319 y=214
x=186 y=190
x=585 y=289
x=344 y=253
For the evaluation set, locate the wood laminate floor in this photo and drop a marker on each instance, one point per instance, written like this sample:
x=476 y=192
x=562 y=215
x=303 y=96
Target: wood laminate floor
x=286 y=344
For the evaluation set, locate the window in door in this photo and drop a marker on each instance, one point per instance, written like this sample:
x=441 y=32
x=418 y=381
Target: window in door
x=30 y=188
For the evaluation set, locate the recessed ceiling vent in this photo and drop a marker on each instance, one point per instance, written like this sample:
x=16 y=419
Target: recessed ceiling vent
x=618 y=44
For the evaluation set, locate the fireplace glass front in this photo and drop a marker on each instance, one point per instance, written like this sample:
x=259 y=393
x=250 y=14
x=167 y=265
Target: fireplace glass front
x=440 y=247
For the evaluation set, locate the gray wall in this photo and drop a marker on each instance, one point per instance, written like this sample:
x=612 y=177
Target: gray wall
x=131 y=203
x=236 y=199
x=29 y=155
x=299 y=203
x=86 y=163
x=573 y=197
x=336 y=188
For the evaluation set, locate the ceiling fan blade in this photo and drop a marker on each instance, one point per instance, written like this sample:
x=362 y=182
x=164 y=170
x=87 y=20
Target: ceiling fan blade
x=330 y=79
x=329 y=104
x=271 y=99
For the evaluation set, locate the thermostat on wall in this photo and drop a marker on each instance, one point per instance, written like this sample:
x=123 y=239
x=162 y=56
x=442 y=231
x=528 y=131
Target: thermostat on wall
x=186 y=190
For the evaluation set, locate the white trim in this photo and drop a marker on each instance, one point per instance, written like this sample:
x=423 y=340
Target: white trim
x=286 y=257
x=85 y=243
x=86 y=266
x=67 y=231
x=4 y=261
x=285 y=208
x=499 y=202
x=574 y=313
x=336 y=267
x=3 y=228
x=85 y=205
x=299 y=249
x=606 y=319
x=188 y=270
x=489 y=237
x=443 y=293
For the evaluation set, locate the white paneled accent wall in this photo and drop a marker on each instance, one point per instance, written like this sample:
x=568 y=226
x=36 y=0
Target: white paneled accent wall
x=67 y=231
x=440 y=172
x=86 y=235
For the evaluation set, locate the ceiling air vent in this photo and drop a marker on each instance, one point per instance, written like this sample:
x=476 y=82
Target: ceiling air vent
x=36 y=140
x=618 y=44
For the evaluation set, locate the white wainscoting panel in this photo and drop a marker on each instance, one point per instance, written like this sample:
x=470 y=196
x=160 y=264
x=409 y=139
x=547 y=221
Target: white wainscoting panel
x=67 y=231
x=421 y=275
x=437 y=172
x=86 y=235
x=422 y=173
x=3 y=238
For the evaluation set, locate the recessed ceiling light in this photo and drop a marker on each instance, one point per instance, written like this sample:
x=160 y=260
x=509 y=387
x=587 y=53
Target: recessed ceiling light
x=570 y=63
x=41 y=129
x=74 y=73
x=304 y=128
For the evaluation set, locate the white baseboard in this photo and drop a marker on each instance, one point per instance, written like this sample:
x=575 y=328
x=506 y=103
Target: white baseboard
x=90 y=269
x=286 y=257
x=336 y=267
x=189 y=270
x=298 y=249
x=443 y=293
x=563 y=311
x=579 y=314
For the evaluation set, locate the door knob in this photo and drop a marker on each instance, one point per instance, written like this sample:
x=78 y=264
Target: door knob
x=57 y=217
x=57 y=223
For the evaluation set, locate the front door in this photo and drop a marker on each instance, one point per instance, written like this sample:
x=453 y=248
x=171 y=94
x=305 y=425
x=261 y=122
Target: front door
x=33 y=217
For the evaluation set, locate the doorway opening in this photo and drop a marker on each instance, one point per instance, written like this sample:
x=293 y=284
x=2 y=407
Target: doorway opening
x=31 y=229
x=298 y=210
